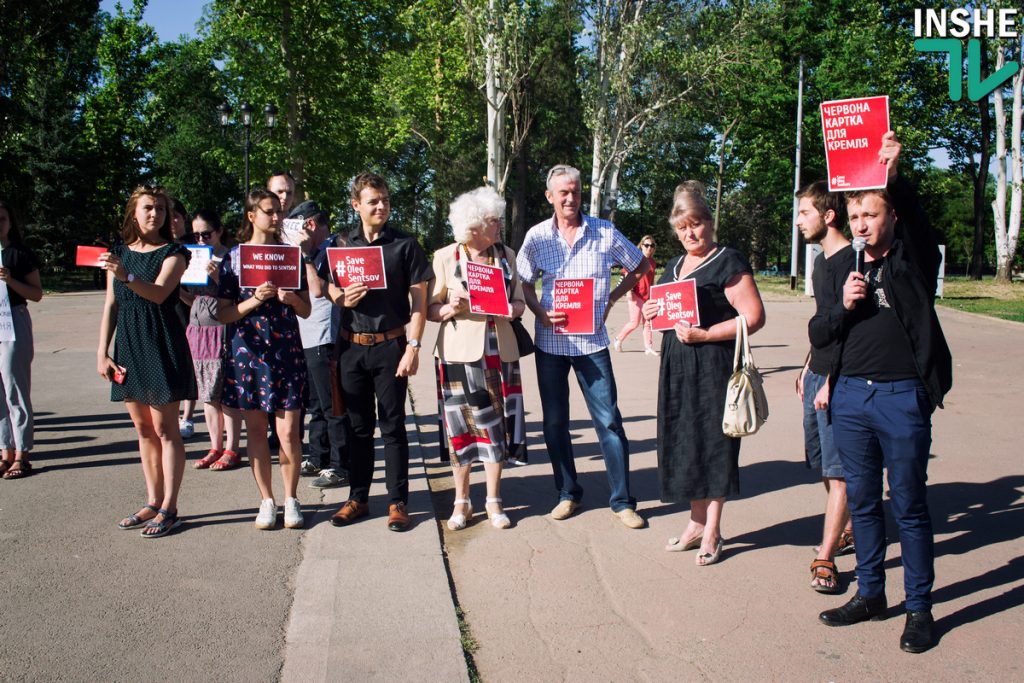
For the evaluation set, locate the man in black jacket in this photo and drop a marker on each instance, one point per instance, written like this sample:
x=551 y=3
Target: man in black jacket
x=890 y=371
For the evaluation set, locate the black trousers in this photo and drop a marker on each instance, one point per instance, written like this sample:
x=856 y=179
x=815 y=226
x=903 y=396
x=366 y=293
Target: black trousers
x=368 y=373
x=328 y=433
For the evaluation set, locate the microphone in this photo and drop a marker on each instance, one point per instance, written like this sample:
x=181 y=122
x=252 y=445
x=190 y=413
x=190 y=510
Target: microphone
x=858 y=247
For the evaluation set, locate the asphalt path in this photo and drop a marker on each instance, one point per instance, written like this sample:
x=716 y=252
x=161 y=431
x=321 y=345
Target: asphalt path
x=585 y=599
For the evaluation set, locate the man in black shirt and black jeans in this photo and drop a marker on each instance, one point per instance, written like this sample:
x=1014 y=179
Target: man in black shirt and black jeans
x=890 y=372
x=378 y=350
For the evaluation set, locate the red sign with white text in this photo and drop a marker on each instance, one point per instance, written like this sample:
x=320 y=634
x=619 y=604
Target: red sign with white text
x=89 y=256
x=677 y=301
x=575 y=297
x=278 y=264
x=355 y=265
x=853 y=131
x=487 y=293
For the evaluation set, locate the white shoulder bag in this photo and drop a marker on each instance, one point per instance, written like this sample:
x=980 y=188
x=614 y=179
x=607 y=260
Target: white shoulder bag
x=746 y=406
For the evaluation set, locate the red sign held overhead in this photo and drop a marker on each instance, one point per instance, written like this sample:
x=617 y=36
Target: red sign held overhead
x=89 y=256
x=575 y=297
x=278 y=264
x=355 y=265
x=677 y=302
x=487 y=293
x=853 y=131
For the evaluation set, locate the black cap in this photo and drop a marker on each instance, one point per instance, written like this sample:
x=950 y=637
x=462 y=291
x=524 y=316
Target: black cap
x=307 y=209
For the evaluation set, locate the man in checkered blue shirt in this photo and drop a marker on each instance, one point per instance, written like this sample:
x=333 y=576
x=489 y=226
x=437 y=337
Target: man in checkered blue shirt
x=571 y=244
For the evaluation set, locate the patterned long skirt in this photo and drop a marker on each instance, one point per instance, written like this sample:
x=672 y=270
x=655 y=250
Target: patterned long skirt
x=481 y=408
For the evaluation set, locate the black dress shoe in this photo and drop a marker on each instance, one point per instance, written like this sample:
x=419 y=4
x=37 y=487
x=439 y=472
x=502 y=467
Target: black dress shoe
x=858 y=609
x=917 y=634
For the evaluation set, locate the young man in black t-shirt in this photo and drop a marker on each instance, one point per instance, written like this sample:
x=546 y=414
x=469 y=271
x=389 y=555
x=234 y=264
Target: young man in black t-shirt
x=821 y=216
x=890 y=372
x=378 y=350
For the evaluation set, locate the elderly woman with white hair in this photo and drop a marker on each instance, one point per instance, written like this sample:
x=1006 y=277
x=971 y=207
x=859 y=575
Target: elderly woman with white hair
x=477 y=358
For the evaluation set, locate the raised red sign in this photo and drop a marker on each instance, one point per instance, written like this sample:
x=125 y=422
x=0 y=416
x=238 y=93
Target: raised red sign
x=575 y=297
x=677 y=302
x=853 y=131
x=487 y=293
x=278 y=264
x=89 y=256
x=358 y=265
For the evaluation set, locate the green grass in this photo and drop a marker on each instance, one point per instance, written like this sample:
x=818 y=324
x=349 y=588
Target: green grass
x=987 y=297
x=69 y=280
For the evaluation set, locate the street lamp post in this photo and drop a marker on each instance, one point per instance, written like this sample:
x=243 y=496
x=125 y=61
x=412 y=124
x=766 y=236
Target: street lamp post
x=270 y=118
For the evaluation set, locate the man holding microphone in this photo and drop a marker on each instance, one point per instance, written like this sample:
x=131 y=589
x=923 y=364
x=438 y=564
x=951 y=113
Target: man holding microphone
x=891 y=371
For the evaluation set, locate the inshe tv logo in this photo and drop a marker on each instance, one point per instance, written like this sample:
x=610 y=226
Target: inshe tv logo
x=942 y=31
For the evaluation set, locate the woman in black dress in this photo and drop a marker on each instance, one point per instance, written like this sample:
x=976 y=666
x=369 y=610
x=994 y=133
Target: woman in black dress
x=696 y=461
x=151 y=367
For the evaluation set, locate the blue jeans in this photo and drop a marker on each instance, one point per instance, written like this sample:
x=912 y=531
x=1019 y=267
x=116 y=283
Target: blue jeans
x=887 y=424
x=594 y=374
x=819 y=446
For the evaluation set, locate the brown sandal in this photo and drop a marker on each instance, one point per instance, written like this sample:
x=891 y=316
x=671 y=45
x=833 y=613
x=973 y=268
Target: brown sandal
x=846 y=544
x=20 y=468
x=824 y=570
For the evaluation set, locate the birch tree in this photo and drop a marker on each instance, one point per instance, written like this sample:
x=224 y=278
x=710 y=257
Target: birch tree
x=638 y=60
x=1006 y=234
x=499 y=32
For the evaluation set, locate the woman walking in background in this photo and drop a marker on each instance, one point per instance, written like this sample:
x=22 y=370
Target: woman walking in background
x=20 y=272
x=637 y=298
x=208 y=343
x=266 y=374
x=151 y=367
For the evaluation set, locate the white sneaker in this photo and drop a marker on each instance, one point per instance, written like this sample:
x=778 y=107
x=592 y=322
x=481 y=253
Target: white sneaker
x=617 y=345
x=187 y=428
x=650 y=351
x=267 y=518
x=292 y=514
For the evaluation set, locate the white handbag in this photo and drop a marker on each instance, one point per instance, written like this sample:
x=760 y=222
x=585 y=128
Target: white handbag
x=746 y=406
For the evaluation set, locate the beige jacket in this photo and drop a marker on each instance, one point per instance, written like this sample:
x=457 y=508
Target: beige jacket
x=461 y=340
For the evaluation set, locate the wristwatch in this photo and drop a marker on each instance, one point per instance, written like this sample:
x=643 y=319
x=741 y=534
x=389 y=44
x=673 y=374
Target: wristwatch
x=130 y=278
x=415 y=343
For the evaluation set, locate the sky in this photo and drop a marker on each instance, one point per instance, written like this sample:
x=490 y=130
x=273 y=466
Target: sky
x=170 y=18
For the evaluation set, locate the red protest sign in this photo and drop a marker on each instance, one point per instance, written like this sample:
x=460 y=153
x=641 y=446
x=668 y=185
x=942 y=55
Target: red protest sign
x=575 y=297
x=278 y=264
x=89 y=256
x=677 y=301
x=355 y=265
x=853 y=131
x=487 y=293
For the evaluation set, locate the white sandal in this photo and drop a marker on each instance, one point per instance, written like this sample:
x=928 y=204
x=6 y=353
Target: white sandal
x=500 y=520
x=458 y=520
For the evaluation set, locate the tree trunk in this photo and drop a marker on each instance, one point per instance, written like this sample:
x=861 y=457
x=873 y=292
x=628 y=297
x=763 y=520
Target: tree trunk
x=496 y=103
x=517 y=225
x=1013 y=230
x=980 y=180
x=999 y=203
x=721 y=171
x=611 y=193
x=292 y=106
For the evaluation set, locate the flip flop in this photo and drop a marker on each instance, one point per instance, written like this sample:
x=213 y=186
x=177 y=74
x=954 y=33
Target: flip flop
x=134 y=521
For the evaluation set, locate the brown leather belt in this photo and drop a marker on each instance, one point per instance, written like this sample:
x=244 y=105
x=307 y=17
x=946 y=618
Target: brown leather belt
x=371 y=338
